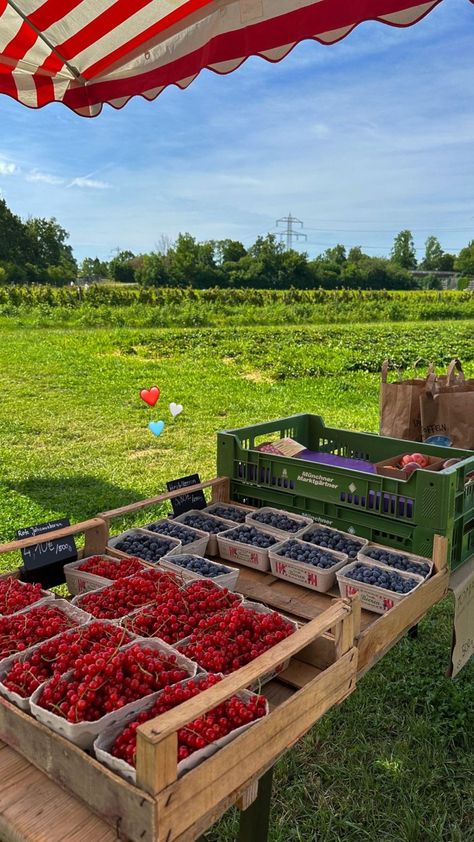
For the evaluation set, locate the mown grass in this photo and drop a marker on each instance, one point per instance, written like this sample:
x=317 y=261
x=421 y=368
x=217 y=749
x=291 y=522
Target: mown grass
x=394 y=762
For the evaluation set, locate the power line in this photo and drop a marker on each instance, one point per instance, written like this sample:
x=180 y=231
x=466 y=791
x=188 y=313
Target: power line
x=290 y=222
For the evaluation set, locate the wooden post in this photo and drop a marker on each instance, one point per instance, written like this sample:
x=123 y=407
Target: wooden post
x=440 y=553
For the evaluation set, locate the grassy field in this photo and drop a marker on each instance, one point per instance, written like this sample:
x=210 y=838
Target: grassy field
x=394 y=762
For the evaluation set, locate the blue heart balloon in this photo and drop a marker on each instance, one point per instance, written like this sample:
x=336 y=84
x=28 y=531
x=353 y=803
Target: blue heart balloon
x=156 y=427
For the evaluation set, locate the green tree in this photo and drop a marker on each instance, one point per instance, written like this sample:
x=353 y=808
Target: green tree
x=229 y=251
x=433 y=255
x=93 y=268
x=121 y=267
x=403 y=250
x=16 y=245
x=464 y=262
x=50 y=243
x=355 y=255
x=153 y=270
x=337 y=254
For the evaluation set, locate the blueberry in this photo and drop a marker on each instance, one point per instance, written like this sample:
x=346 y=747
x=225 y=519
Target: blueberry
x=229 y=513
x=143 y=546
x=249 y=535
x=308 y=554
x=332 y=540
x=282 y=521
x=381 y=578
x=398 y=561
x=204 y=522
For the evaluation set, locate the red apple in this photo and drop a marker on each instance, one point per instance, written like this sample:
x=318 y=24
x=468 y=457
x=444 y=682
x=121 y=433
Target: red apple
x=410 y=467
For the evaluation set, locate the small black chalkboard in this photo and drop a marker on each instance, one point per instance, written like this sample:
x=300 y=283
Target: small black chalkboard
x=195 y=500
x=41 y=555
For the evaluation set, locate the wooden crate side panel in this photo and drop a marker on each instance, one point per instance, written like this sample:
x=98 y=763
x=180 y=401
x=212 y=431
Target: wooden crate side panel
x=207 y=791
x=123 y=806
x=375 y=640
x=35 y=809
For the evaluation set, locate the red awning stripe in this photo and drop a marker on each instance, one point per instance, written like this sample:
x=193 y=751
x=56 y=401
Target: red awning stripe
x=102 y=51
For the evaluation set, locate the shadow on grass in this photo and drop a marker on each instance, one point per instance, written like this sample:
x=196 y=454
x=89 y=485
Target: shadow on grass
x=76 y=497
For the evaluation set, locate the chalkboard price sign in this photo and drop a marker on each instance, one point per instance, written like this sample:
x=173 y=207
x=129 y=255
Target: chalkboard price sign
x=48 y=552
x=195 y=500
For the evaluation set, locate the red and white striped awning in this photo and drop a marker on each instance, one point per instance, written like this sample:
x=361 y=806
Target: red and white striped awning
x=88 y=52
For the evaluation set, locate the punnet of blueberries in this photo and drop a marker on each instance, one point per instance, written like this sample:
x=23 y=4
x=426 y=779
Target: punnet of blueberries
x=308 y=554
x=252 y=536
x=400 y=562
x=196 y=564
x=381 y=578
x=278 y=521
x=205 y=522
x=176 y=530
x=229 y=513
x=332 y=540
x=147 y=547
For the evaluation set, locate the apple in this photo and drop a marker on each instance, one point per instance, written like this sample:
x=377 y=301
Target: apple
x=410 y=467
x=421 y=460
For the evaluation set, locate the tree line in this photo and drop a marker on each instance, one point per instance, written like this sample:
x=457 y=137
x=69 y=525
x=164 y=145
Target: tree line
x=36 y=251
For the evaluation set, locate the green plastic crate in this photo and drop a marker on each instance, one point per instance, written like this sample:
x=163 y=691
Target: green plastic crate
x=400 y=513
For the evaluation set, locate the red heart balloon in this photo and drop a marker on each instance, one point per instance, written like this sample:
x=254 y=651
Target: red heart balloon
x=150 y=396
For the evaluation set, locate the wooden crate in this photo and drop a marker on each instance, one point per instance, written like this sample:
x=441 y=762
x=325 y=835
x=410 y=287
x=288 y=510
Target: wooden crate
x=336 y=642
x=162 y=808
x=378 y=633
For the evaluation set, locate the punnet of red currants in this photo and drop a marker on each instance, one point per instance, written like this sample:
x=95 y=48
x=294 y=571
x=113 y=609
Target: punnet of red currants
x=125 y=595
x=59 y=655
x=201 y=732
x=19 y=631
x=15 y=595
x=178 y=613
x=99 y=565
x=226 y=642
x=100 y=683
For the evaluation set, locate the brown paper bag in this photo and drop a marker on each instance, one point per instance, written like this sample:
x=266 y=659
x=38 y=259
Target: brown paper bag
x=447 y=407
x=400 y=415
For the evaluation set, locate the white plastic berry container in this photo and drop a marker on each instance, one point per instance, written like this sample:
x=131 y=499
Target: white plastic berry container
x=240 y=510
x=258 y=609
x=212 y=545
x=414 y=559
x=301 y=573
x=373 y=598
x=105 y=741
x=7 y=663
x=307 y=531
x=174 y=545
x=247 y=554
x=196 y=547
x=302 y=520
x=80 y=581
x=225 y=580
x=83 y=734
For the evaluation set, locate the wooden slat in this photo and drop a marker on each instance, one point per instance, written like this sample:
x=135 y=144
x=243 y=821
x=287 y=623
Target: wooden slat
x=116 y=801
x=298 y=674
x=387 y=630
x=217 y=482
x=203 y=794
x=96 y=527
x=156 y=730
x=35 y=809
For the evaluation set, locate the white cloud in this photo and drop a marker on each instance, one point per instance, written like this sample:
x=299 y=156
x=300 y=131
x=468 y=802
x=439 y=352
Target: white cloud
x=44 y=177
x=92 y=183
x=8 y=168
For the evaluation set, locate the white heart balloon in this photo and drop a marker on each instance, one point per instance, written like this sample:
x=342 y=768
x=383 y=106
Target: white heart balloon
x=175 y=409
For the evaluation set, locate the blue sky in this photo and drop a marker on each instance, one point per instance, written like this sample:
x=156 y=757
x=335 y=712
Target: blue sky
x=358 y=140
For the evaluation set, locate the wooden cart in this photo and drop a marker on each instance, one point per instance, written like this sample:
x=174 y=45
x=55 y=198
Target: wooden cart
x=45 y=774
